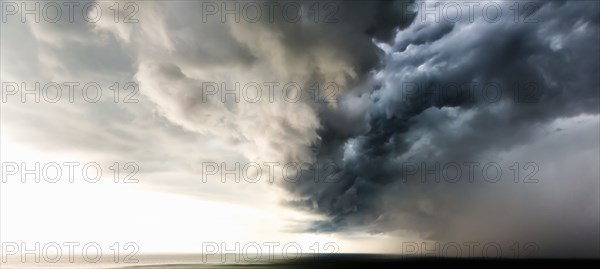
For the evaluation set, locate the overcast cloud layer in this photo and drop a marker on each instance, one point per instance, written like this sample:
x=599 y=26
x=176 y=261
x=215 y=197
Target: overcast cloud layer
x=410 y=93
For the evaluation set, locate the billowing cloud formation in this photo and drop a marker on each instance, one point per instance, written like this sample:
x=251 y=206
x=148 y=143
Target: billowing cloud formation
x=412 y=91
x=459 y=92
x=187 y=59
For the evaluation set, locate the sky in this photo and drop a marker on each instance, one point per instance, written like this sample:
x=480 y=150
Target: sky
x=377 y=126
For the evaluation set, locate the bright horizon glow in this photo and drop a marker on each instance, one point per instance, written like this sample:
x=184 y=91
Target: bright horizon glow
x=159 y=222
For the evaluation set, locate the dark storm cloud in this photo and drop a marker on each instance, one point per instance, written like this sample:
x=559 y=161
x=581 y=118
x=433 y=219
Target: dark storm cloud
x=413 y=91
x=546 y=71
